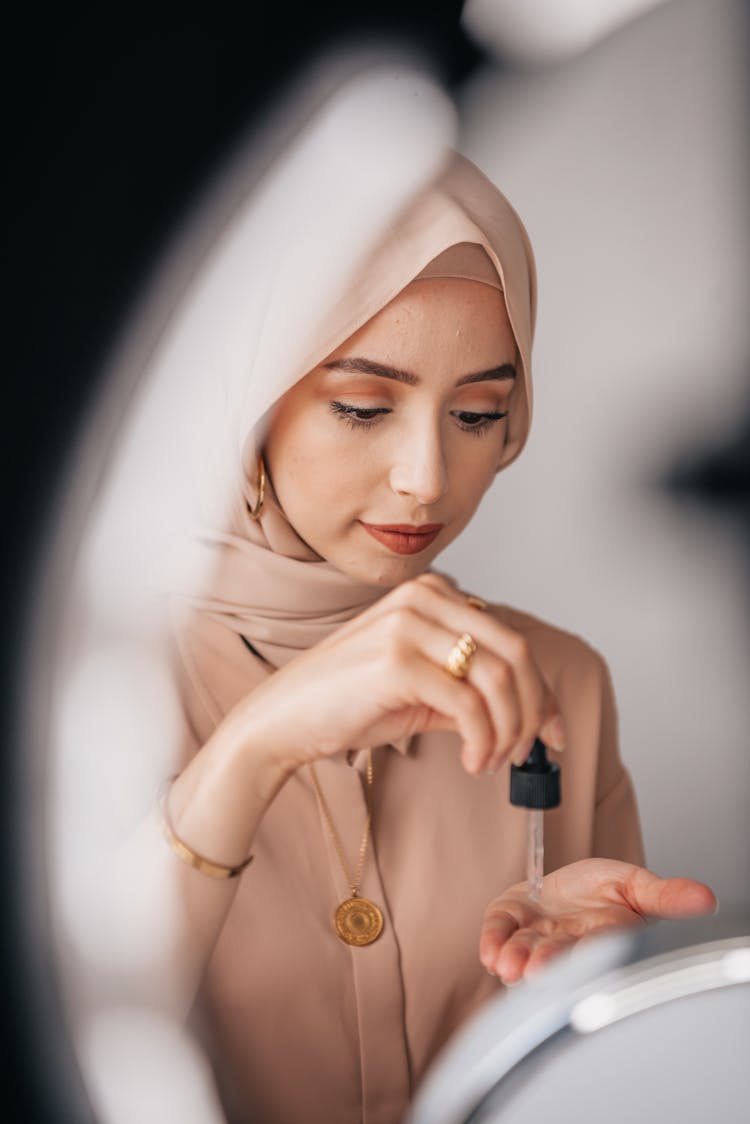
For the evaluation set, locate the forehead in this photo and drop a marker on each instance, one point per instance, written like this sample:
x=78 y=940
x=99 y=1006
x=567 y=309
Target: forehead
x=456 y=319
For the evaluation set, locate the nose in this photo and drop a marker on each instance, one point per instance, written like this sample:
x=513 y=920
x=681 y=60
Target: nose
x=419 y=467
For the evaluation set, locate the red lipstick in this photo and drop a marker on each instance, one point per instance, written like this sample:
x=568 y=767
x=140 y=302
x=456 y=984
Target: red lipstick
x=404 y=538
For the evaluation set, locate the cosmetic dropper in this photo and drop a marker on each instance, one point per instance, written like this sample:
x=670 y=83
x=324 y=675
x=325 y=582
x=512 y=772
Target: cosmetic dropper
x=535 y=785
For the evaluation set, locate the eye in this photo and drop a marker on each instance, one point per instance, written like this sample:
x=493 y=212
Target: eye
x=478 y=423
x=357 y=417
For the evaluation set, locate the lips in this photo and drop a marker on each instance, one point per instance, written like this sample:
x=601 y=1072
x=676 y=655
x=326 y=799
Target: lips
x=404 y=538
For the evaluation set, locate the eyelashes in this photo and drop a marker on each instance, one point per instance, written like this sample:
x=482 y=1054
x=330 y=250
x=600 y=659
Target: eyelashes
x=364 y=418
x=355 y=417
x=478 y=423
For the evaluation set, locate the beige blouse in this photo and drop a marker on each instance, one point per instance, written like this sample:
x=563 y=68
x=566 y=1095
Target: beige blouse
x=303 y=1028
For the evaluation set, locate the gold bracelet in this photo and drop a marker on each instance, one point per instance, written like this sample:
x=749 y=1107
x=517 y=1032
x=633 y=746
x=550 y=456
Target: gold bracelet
x=187 y=854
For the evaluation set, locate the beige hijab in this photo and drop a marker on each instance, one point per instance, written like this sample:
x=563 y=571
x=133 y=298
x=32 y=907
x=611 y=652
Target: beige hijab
x=261 y=580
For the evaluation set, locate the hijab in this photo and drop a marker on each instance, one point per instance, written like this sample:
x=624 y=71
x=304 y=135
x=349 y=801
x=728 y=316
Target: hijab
x=258 y=577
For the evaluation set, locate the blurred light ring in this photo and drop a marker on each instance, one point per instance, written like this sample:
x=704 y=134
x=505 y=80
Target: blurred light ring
x=662 y=979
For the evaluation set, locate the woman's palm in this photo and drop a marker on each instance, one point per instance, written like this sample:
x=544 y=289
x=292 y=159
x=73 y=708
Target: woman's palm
x=519 y=934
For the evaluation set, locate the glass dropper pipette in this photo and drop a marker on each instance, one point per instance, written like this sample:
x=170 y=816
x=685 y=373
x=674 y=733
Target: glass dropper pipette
x=535 y=785
x=535 y=852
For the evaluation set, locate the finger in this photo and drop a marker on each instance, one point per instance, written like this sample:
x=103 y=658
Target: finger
x=653 y=896
x=503 y=918
x=492 y=675
x=454 y=698
x=405 y=633
x=494 y=679
x=406 y=595
x=496 y=931
x=545 y=951
x=531 y=708
x=553 y=731
x=538 y=709
x=443 y=583
x=515 y=954
x=425 y=593
x=536 y=716
x=450 y=588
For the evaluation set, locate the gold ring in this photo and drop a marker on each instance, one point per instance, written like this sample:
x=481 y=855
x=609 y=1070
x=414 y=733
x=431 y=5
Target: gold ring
x=460 y=655
x=476 y=602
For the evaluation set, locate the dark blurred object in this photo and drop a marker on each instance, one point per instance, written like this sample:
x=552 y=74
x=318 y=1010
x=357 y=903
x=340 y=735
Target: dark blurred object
x=720 y=477
x=719 y=480
x=116 y=121
x=652 y=1024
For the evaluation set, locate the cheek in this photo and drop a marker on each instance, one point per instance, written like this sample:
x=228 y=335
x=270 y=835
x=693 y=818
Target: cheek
x=305 y=474
x=476 y=461
x=498 y=448
x=475 y=477
x=315 y=474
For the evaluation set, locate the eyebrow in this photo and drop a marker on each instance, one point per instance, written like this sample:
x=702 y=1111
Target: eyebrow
x=369 y=367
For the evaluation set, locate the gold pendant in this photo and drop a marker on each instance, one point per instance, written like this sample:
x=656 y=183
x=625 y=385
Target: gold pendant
x=358 y=921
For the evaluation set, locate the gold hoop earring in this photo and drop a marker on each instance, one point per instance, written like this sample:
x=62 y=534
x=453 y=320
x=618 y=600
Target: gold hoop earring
x=255 y=512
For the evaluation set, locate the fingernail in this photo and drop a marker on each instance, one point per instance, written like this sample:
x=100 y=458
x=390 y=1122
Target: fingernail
x=497 y=762
x=469 y=763
x=717 y=908
x=556 y=733
x=522 y=754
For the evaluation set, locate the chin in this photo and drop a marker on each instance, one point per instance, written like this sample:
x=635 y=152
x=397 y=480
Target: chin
x=386 y=572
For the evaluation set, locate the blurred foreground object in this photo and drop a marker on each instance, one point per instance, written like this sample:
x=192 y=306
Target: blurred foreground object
x=651 y=1024
x=101 y=714
x=545 y=31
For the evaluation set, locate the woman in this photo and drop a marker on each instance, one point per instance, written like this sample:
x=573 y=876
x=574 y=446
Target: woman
x=351 y=713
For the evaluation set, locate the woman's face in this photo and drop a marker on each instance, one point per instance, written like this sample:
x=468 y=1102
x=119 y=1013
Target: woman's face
x=403 y=427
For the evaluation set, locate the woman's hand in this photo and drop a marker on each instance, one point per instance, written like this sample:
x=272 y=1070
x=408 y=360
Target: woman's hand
x=382 y=676
x=519 y=935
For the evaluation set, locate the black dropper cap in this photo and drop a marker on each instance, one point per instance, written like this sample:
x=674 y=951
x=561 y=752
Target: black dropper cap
x=536 y=783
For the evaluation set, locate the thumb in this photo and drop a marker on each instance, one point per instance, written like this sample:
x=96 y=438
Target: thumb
x=653 y=896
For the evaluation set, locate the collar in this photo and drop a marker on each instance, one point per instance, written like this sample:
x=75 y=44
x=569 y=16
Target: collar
x=357 y=758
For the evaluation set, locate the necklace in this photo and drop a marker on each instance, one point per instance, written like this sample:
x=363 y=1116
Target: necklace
x=357 y=921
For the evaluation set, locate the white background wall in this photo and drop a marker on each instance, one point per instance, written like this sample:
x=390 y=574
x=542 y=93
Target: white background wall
x=629 y=165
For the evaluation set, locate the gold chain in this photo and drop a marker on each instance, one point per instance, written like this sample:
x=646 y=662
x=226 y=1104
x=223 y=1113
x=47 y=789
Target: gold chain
x=353 y=882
